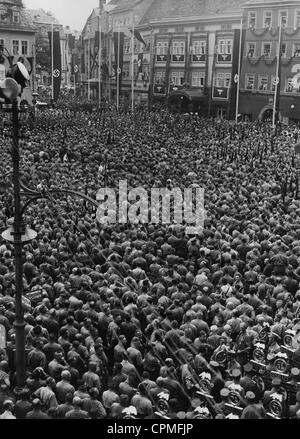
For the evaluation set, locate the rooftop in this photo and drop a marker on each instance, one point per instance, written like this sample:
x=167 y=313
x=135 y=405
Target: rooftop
x=168 y=9
x=39 y=16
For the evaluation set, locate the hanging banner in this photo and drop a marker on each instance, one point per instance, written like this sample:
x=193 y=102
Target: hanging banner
x=119 y=49
x=56 y=62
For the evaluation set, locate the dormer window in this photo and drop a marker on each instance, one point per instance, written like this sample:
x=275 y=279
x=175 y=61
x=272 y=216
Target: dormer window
x=16 y=17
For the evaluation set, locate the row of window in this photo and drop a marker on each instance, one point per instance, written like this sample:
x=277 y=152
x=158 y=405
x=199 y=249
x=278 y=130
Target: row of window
x=197 y=51
x=18 y=47
x=138 y=47
x=177 y=78
x=198 y=47
x=266 y=49
x=221 y=79
x=268 y=19
x=198 y=79
x=266 y=83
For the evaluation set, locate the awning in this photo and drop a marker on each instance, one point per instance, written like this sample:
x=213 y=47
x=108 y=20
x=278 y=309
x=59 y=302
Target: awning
x=191 y=95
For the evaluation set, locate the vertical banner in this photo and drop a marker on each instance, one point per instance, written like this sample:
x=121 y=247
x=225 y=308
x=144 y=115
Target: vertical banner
x=278 y=76
x=82 y=63
x=140 y=62
x=96 y=47
x=187 y=67
x=119 y=49
x=75 y=67
x=169 y=58
x=56 y=62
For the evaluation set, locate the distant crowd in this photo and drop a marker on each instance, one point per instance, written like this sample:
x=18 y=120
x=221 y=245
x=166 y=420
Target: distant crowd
x=145 y=321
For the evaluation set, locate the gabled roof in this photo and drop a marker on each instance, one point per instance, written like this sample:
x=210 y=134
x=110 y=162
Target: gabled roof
x=168 y=9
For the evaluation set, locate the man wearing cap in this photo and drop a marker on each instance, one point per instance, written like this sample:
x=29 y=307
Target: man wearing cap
x=252 y=410
x=220 y=406
x=246 y=380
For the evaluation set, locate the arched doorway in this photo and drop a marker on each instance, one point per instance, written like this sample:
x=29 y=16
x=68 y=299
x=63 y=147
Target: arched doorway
x=266 y=114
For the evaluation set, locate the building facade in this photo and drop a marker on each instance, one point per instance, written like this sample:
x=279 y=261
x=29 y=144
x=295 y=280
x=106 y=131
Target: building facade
x=43 y=21
x=260 y=59
x=194 y=51
x=17 y=39
x=195 y=48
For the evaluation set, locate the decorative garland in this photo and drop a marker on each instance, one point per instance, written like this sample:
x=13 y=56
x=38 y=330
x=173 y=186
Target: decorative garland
x=275 y=32
x=269 y=62
x=291 y=34
x=289 y=61
x=253 y=62
x=259 y=34
x=256 y=61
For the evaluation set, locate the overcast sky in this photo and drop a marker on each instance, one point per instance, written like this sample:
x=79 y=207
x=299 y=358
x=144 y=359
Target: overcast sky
x=69 y=12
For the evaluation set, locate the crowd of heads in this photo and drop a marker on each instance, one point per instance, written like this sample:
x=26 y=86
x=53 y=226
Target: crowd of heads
x=143 y=320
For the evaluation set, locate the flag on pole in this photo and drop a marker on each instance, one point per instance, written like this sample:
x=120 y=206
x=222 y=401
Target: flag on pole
x=139 y=37
x=56 y=62
x=128 y=33
x=75 y=67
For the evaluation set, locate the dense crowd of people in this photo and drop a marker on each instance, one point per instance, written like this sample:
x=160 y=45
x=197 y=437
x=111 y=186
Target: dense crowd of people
x=145 y=321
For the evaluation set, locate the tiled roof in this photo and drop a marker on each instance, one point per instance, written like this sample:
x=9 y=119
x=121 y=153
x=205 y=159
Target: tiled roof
x=162 y=9
x=26 y=23
x=39 y=16
x=26 y=19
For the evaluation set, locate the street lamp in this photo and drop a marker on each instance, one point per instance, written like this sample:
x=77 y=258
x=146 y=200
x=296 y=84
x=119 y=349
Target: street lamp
x=17 y=233
x=12 y=87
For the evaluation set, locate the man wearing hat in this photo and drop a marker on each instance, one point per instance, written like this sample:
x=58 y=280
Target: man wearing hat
x=220 y=406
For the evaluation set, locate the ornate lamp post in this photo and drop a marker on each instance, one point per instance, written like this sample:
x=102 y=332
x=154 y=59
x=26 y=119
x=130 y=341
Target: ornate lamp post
x=17 y=233
x=11 y=88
